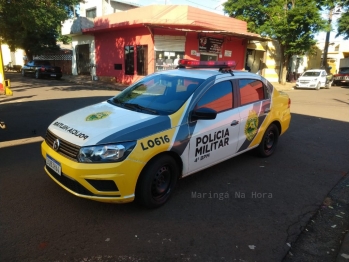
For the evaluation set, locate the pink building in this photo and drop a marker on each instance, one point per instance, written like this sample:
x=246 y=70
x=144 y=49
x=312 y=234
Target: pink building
x=140 y=41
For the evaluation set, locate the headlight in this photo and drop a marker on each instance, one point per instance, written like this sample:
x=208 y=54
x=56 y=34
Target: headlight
x=105 y=153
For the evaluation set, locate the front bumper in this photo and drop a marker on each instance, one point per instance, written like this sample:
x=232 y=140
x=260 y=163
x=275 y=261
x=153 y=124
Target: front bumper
x=341 y=82
x=308 y=85
x=95 y=181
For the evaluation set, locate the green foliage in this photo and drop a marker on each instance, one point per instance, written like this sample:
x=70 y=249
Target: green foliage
x=343 y=21
x=33 y=24
x=293 y=24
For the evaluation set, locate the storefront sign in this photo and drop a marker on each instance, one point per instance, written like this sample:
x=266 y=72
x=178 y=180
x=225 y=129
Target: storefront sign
x=210 y=45
x=227 y=53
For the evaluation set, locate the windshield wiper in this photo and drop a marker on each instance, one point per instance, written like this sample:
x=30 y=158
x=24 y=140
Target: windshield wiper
x=137 y=106
x=134 y=106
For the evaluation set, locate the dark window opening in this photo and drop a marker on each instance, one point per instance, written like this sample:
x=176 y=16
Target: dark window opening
x=129 y=60
x=91 y=13
x=142 y=60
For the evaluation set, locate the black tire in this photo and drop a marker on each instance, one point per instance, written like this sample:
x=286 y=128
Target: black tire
x=23 y=73
x=269 y=141
x=318 y=86
x=157 y=181
x=37 y=75
x=58 y=77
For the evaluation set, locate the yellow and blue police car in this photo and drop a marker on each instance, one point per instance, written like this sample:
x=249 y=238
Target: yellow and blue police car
x=168 y=125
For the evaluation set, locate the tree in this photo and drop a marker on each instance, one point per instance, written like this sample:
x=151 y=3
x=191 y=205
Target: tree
x=343 y=21
x=33 y=25
x=293 y=24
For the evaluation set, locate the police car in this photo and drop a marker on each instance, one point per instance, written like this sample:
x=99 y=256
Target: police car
x=168 y=125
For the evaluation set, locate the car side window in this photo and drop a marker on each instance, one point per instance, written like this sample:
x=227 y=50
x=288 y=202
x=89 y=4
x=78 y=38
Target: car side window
x=251 y=90
x=219 y=97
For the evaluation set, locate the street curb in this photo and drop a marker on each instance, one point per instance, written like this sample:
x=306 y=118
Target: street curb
x=325 y=236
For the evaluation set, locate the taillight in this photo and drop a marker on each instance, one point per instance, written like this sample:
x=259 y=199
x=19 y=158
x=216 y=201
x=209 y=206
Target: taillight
x=42 y=69
x=289 y=103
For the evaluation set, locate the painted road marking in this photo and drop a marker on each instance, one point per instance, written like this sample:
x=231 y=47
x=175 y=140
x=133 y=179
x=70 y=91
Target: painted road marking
x=21 y=141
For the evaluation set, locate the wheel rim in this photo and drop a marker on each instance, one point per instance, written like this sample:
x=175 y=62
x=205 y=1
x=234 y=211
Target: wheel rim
x=269 y=141
x=161 y=182
x=37 y=74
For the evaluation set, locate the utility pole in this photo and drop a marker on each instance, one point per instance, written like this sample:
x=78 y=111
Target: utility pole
x=327 y=42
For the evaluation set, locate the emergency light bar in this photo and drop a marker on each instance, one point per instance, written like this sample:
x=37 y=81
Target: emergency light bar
x=206 y=64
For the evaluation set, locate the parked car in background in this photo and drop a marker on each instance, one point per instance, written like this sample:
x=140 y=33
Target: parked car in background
x=315 y=79
x=41 y=68
x=342 y=78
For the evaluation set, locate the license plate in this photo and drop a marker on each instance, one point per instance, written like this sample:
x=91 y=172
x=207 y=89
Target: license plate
x=53 y=164
x=53 y=74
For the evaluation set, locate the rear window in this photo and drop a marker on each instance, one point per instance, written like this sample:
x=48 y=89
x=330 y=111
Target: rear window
x=311 y=73
x=41 y=62
x=343 y=70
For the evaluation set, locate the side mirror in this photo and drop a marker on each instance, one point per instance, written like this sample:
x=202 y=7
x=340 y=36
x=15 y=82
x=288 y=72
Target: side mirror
x=204 y=114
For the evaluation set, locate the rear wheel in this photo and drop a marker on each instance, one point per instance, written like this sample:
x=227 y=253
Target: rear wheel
x=58 y=77
x=157 y=181
x=269 y=141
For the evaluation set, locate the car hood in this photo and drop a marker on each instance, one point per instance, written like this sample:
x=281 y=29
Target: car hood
x=106 y=123
x=308 y=78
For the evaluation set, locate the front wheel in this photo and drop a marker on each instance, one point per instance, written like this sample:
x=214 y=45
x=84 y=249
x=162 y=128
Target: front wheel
x=157 y=181
x=37 y=74
x=23 y=73
x=318 y=86
x=269 y=141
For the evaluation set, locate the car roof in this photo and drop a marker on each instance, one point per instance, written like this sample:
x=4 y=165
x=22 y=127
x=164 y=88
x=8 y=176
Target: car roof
x=315 y=70
x=206 y=73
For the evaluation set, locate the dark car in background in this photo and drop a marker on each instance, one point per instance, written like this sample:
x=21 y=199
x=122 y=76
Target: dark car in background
x=342 y=78
x=41 y=68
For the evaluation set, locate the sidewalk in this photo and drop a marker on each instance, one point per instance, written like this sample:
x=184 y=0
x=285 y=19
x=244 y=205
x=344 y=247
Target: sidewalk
x=87 y=80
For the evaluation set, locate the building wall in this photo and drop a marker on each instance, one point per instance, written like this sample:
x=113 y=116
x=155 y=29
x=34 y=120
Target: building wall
x=110 y=51
x=272 y=62
x=15 y=57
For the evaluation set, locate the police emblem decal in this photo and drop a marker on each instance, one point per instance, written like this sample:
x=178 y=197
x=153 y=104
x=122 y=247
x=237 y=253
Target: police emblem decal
x=251 y=125
x=56 y=144
x=97 y=116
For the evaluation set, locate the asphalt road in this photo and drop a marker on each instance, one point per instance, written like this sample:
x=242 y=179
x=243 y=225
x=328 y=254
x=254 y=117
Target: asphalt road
x=264 y=203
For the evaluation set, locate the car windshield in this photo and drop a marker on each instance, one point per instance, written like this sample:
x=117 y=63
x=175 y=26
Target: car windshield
x=311 y=73
x=157 y=94
x=343 y=70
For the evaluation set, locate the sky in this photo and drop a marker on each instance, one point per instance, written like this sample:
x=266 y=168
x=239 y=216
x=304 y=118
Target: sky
x=209 y=5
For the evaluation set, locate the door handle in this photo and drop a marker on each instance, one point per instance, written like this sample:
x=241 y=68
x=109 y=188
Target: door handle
x=267 y=110
x=234 y=123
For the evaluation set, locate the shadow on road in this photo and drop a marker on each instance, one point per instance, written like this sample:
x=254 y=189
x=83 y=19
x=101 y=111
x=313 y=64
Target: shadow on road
x=267 y=201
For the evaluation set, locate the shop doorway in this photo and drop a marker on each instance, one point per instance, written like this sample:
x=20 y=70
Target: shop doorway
x=83 y=59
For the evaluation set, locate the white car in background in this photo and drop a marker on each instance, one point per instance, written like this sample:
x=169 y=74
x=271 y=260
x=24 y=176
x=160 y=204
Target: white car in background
x=315 y=78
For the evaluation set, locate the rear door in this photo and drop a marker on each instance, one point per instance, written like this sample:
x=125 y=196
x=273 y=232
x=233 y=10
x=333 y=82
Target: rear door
x=254 y=106
x=214 y=140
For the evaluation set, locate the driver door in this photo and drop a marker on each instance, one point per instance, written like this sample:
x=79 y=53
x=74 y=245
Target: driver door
x=214 y=140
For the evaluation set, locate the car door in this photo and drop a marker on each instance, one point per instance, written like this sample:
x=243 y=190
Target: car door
x=323 y=78
x=214 y=140
x=254 y=106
